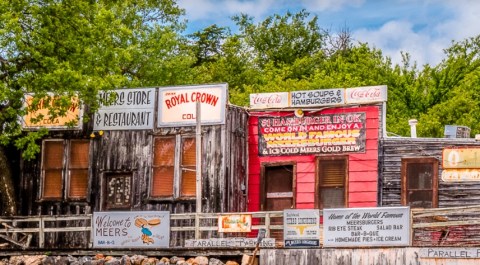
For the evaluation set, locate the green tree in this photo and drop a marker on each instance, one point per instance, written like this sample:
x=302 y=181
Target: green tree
x=281 y=39
x=451 y=90
x=77 y=47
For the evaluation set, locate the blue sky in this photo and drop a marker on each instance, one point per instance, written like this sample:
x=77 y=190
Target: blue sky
x=423 y=28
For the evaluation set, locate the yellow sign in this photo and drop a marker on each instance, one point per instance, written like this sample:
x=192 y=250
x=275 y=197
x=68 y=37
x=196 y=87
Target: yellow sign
x=235 y=223
x=40 y=118
x=461 y=157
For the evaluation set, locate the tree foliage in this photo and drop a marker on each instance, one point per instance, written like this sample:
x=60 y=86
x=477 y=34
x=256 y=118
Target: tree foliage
x=80 y=47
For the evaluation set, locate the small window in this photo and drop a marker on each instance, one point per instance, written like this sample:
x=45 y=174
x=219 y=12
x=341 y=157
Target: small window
x=331 y=182
x=65 y=166
x=118 y=191
x=174 y=164
x=420 y=182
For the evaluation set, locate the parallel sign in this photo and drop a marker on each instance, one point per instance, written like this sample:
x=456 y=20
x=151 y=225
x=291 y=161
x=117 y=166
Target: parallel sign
x=450 y=253
x=177 y=105
x=126 y=109
x=234 y=242
x=361 y=227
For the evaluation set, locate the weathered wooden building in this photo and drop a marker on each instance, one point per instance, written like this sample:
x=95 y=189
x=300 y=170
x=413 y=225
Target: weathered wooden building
x=415 y=172
x=426 y=173
x=139 y=153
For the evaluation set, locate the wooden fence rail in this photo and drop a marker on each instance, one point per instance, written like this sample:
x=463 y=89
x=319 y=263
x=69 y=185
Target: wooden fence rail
x=454 y=226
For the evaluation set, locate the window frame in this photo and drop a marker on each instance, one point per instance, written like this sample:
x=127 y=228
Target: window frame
x=106 y=177
x=177 y=171
x=263 y=186
x=65 y=172
x=318 y=203
x=404 y=180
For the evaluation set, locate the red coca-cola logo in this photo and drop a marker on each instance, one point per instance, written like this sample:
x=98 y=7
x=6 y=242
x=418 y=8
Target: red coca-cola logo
x=267 y=99
x=370 y=93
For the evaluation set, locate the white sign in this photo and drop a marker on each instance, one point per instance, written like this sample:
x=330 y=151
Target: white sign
x=126 y=109
x=368 y=94
x=177 y=105
x=450 y=253
x=301 y=228
x=451 y=175
x=315 y=98
x=234 y=242
x=131 y=229
x=360 y=227
x=269 y=100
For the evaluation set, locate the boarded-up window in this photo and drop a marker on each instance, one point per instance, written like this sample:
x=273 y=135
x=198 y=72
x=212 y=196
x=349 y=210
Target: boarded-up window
x=331 y=178
x=65 y=166
x=163 y=167
x=52 y=169
x=174 y=166
x=78 y=169
x=188 y=165
x=420 y=182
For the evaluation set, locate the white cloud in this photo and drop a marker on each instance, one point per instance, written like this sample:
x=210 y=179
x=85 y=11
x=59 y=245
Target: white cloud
x=396 y=36
x=197 y=9
x=220 y=10
x=426 y=44
x=333 y=5
x=465 y=23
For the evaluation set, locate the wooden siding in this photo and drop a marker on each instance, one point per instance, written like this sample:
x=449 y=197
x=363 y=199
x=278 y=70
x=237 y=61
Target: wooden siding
x=363 y=167
x=358 y=256
x=392 y=150
x=450 y=194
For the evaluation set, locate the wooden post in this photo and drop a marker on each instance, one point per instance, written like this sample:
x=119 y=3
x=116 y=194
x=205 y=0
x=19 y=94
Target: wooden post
x=198 y=170
x=41 y=234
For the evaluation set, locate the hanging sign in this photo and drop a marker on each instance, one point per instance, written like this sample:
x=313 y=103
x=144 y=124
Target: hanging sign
x=177 y=105
x=317 y=98
x=235 y=223
x=312 y=134
x=269 y=100
x=367 y=94
x=38 y=116
x=125 y=109
x=131 y=229
x=366 y=227
x=301 y=228
x=456 y=158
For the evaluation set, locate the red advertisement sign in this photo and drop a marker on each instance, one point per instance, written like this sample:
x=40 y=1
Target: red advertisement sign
x=314 y=134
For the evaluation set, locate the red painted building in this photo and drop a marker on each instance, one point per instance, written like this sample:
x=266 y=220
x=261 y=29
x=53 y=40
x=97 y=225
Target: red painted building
x=321 y=158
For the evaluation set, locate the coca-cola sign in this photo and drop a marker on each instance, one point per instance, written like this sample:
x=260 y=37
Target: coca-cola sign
x=269 y=100
x=368 y=94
